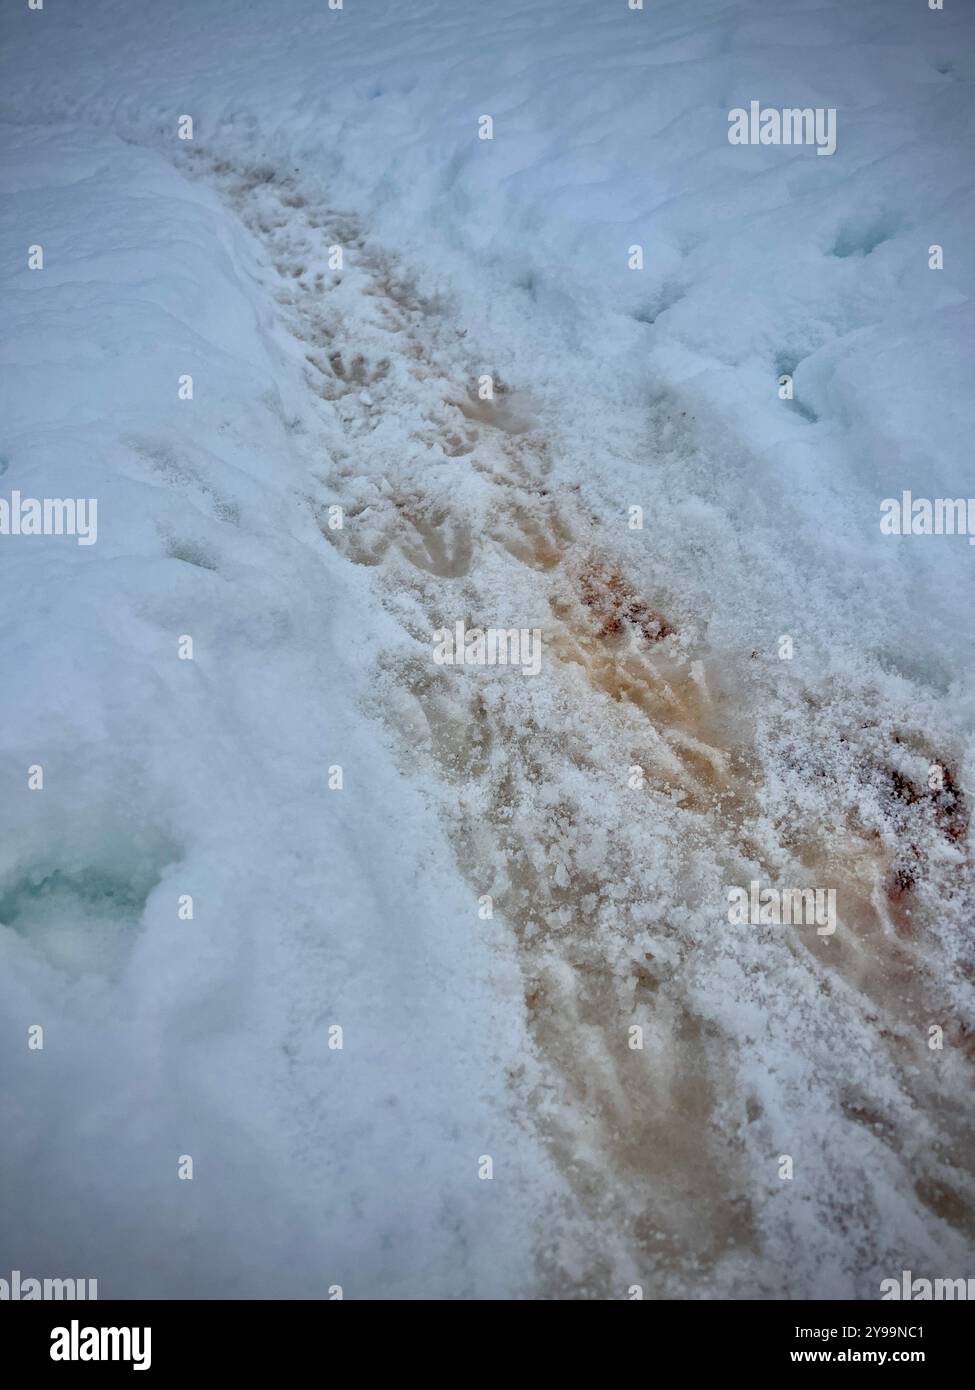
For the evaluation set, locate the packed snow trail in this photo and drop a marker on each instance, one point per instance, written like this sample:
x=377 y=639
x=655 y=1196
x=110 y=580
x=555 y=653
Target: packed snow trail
x=606 y=806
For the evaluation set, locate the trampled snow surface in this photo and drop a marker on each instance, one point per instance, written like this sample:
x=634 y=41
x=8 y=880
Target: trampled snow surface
x=464 y=1036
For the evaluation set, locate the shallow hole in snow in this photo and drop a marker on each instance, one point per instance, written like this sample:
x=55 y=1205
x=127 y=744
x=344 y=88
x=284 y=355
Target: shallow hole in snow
x=861 y=237
x=80 y=921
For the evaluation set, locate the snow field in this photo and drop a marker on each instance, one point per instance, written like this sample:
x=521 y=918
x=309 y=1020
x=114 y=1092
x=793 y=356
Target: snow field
x=656 y=388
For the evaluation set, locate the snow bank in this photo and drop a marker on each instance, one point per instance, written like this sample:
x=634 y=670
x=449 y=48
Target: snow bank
x=209 y=777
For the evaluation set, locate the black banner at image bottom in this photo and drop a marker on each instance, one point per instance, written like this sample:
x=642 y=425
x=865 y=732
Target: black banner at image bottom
x=172 y=1338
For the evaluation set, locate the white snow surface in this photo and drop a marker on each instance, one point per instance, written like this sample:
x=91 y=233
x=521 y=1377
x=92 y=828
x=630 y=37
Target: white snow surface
x=163 y=1037
x=358 y=1167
